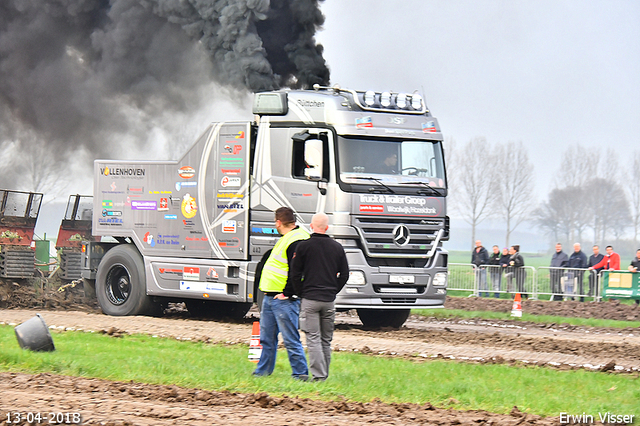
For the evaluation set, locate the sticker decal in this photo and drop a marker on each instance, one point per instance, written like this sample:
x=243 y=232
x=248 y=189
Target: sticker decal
x=229 y=226
x=429 y=127
x=190 y=273
x=231 y=182
x=189 y=207
x=186 y=172
x=364 y=122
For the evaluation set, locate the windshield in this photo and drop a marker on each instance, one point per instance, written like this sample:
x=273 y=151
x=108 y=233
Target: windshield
x=393 y=162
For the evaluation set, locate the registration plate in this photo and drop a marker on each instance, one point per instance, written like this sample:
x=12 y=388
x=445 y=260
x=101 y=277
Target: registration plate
x=402 y=279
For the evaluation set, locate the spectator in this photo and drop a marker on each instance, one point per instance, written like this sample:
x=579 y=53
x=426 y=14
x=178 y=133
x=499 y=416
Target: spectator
x=558 y=260
x=319 y=271
x=635 y=264
x=280 y=308
x=504 y=263
x=480 y=257
x=611 y=262
x=594 y=259
x=495 y=271
x=516 y=264
x=577 y=260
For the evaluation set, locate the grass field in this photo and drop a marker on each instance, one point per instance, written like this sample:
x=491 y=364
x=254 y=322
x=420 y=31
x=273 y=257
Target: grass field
x=356 y=377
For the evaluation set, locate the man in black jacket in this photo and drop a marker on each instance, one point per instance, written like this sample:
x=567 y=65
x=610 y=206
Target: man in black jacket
x=594 y=259
x=480 y=256
x=577 y=260
x=495 y=271
x=319 y=271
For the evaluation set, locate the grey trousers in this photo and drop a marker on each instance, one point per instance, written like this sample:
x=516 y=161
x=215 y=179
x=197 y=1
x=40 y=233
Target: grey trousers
x=317 y=321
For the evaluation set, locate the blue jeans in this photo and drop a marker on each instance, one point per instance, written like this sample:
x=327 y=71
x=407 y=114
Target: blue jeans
x=280 y=316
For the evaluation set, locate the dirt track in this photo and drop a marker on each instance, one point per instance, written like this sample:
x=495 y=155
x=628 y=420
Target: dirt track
x=103 y=402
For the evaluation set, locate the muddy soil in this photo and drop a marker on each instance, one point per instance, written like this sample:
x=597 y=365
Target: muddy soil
x=102 y=402
x=422 y=338
x=612 y=309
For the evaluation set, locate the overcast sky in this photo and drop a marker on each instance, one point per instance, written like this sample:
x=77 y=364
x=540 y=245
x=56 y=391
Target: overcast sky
x=549 y=73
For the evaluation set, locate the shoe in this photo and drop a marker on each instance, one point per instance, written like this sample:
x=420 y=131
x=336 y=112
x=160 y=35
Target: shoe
x=301 y=377
x=319 y=379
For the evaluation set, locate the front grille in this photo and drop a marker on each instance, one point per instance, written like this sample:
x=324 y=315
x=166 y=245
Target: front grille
x=402 y=300
x=376 y=234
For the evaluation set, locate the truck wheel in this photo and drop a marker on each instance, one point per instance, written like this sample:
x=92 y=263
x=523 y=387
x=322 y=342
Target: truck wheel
x=376 y=318
x=121 y=284
x=217 y=310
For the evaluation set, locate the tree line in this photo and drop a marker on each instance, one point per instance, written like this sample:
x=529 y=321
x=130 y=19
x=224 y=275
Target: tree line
x=594 y=198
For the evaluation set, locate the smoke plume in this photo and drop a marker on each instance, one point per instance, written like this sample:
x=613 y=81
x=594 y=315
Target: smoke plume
x=80 y=79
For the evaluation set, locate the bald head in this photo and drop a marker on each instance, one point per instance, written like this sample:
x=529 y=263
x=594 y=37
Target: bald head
x=319 y=223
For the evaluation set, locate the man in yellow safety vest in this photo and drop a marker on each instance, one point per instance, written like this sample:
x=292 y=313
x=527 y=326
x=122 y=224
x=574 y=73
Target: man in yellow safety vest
x=280 y=307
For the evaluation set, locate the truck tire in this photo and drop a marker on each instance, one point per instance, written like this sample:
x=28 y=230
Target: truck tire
x=377 y=318
x=216 y=309
x=121 y=283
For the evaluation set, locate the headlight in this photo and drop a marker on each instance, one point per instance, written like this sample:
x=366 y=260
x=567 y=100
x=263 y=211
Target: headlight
x=416 y=101
x=385 y=99
x=356 y=278
x=369 y=98
x=440 y=279
x=401 y=101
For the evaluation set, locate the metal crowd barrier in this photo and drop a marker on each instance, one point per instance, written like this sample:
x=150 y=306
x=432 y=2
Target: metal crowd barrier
x=568 y=283
x=492 y=280
x=462 y=277
x=554 y=283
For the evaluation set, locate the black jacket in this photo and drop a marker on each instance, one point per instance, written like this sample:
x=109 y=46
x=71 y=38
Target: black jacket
x=577 y=260
x=495 y=259
x=480 y=257
x=594 y=260
x=319 y=269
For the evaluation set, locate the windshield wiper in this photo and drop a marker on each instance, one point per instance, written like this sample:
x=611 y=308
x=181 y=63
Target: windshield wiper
x=431 y=189
x=376 y=180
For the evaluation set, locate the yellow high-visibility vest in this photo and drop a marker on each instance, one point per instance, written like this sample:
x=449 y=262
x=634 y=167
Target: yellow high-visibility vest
x=276 y=268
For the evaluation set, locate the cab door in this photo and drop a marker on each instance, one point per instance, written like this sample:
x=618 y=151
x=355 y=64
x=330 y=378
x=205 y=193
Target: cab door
x=298 y=169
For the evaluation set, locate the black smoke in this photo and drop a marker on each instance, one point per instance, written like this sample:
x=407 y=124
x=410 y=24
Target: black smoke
x=80 y=75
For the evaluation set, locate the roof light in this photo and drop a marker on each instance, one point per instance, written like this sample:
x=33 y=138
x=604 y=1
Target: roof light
x=416 y=101
x=370 y=98
x=401 y=100
x=270 y=103
x=385 y=99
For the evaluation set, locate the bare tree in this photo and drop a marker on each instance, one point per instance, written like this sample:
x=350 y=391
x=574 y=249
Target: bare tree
x=514 y=188
x=557 y=216
x=578 y=165
x=610 y=214
x=473 y=173
x=633 y=188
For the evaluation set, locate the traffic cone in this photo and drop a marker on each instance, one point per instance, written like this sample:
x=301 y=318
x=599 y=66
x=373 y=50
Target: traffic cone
x=516 y=310
x=255 y=348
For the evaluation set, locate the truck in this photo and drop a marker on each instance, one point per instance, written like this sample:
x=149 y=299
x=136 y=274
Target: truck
x=195 y=230
x=74 y=229
x=18 y=216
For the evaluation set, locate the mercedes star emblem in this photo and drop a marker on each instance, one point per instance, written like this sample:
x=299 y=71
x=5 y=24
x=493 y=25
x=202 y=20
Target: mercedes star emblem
x=401 y=235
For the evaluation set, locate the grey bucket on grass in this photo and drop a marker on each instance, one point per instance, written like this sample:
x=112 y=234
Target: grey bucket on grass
x=34 y=335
